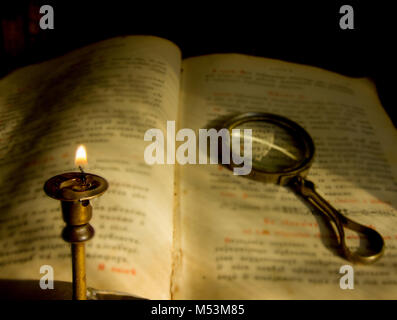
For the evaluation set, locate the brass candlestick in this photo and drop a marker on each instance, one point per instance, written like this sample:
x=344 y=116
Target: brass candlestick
x=74 y=190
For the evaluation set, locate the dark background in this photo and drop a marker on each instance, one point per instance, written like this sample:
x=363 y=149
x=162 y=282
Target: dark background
x=296 y=31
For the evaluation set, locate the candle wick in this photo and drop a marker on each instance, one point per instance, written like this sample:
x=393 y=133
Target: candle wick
x=83 y=178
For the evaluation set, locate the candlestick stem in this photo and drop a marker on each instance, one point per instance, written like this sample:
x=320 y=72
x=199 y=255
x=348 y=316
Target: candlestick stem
x=78 y=265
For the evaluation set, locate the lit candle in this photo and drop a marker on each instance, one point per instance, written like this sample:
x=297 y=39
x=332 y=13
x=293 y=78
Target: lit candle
x=74 y=190
x=81 y=159
x=81 y=156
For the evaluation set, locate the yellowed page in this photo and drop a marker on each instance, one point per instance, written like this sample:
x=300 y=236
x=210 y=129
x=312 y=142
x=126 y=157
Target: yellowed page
x=104 y=96
x=243 y=239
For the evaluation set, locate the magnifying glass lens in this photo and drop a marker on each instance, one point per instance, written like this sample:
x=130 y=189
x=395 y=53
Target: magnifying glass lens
x=275 y=148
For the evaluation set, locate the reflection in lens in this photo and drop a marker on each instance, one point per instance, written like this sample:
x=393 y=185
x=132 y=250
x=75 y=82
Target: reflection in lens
x=275 y=148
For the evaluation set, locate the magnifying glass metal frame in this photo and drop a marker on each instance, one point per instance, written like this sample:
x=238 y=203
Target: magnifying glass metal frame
x=295 y=178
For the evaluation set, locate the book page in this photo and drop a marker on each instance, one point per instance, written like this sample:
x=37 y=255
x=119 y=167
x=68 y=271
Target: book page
x=104 y=96
x=243 y=239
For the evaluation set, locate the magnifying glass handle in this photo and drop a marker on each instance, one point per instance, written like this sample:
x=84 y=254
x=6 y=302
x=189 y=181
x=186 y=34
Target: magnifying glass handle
x=306 y=189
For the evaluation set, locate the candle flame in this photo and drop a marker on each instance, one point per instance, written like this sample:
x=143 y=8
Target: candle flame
x=81 y=156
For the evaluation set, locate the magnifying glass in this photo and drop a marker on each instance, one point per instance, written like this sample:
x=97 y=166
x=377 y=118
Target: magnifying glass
x=282 y=153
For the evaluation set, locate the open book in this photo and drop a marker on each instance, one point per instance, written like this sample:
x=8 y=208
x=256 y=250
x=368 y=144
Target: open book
x=192 y=231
